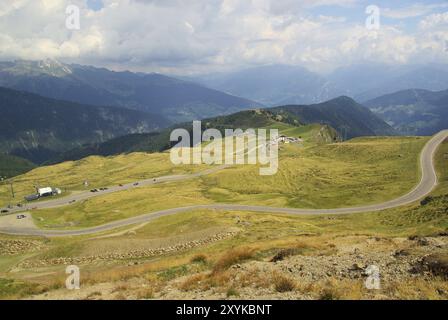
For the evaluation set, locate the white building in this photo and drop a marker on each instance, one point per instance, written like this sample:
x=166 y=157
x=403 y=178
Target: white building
x=47 y=191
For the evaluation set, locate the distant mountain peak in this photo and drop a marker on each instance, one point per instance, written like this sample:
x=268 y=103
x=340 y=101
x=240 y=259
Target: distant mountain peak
x=50 y=67
x=172 y=98
x=343 y=99
x=343 y=114
x=54 y=67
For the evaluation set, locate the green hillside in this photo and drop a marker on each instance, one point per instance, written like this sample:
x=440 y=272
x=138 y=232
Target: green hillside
x=342 y=117
x=349 y=118
x=11 y=166
x=413 y=112
x=37 y=128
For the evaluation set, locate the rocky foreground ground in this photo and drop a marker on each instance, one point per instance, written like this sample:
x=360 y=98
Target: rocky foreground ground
x=336 y=268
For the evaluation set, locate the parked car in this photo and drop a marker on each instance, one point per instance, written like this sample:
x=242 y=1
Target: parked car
x=32 y=197
x=136 y=184
x=4 y=211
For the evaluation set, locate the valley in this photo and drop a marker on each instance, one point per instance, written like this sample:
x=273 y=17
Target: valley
x=325 y=168
x=170 y=256
x=349 y=192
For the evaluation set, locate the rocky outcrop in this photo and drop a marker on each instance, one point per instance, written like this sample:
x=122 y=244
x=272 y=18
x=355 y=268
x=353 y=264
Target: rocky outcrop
x=13 y=247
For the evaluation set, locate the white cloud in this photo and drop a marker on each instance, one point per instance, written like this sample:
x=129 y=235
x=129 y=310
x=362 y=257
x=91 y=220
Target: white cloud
x=415 y=10
x=201 y=36
x=434 y=20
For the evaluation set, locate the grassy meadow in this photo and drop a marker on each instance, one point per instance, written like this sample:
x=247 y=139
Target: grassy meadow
x=98 y=171
x=357 y=172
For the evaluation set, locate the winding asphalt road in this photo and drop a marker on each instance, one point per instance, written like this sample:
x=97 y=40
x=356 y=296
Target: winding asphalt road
x=426 y=185
x=84 y=195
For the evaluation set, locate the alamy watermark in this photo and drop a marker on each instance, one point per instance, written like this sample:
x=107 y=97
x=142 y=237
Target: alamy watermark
x=236 y=147
x=73 y=19
x=373 y=281
x=373 y=20
x=73 y=280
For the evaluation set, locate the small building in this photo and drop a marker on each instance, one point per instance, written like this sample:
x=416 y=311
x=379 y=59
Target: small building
x=286 y=140
x=45 y=192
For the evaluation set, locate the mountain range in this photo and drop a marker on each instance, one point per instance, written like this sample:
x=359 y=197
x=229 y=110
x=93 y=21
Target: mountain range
x=52 y=111
x=343 y=114
x=413 y=112
x=37 y=128
x=174 y=99
x=280 y=84
x=271 y=85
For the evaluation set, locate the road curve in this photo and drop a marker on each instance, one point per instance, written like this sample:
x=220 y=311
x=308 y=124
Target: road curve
x=84 y=195
x=426 y=185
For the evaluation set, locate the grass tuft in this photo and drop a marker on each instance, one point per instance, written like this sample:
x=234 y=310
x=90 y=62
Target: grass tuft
x=283 y=283
x=233 y=257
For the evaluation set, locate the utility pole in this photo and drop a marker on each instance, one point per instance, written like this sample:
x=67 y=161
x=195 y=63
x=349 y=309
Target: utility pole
x=12 y=189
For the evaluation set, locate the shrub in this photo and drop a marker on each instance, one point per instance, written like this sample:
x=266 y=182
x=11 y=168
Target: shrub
x=232 y=292
x=284 y=253
x=199 y=258
x=145 y=294
x=233 y=257
x=329 y=294
x=191 y=282
x=426 y=201
x=283 y=283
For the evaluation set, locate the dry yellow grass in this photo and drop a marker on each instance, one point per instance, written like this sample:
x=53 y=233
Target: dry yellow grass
x=233 y=257
x=98 y=171
x=283 y=283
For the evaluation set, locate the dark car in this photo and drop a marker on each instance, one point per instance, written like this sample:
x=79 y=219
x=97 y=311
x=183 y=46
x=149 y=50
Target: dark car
x=32 y=197
x=4 y=211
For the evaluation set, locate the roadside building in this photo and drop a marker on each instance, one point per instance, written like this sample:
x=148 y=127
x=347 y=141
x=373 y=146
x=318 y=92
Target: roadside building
x=45 y=192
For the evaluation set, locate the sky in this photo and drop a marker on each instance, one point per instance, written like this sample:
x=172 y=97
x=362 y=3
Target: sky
x=204 y=36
